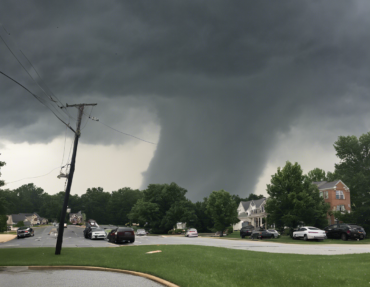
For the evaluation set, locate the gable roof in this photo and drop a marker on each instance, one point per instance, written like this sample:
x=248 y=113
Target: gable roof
x=19 y=217
x=327 y=184
x=256 y=202
x=245 y=204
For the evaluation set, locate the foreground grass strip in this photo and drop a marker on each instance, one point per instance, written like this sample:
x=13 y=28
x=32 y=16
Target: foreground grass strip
x=187 y=265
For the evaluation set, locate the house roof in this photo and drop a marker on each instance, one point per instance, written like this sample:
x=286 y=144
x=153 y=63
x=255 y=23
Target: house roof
x=245 y=204
x=256 y=202
x=326 y=184
x=19 y=217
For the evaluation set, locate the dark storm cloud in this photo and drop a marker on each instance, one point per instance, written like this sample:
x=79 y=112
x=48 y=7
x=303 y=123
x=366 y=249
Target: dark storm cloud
x=222 y=78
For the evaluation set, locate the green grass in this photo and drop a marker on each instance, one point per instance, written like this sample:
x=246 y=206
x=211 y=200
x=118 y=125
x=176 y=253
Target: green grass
x=208 y=266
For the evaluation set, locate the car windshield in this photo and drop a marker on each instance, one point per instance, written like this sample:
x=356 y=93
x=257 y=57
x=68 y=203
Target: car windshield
x=98 y=229
x=124 y=229
x=271 y=230
x=313 y=228
x=23 y=227
x=355 y=226
x=140 y=230
x=192 y=229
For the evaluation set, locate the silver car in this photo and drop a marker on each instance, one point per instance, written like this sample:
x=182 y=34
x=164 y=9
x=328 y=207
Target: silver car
x=141 y=232
x=274 y=232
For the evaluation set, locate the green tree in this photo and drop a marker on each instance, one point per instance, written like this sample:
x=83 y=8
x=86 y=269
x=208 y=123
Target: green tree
x=204 y=222
x=158 y=208
x=353 y=169
x=317 y=174
x=29 y=198
x=19 y=224
x=121 y=203
x=294 y=199
x=180 y=211
x=95 y=204
x=222 y=209
x=3 y=202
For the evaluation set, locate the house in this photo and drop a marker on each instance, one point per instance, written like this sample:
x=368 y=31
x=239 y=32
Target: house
x=337 y=194
x=181 y=225
x=76 y=218
x=251 y=213
x=28 y=219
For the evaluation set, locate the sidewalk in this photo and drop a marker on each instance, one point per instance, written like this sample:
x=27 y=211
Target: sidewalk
x=6 y=237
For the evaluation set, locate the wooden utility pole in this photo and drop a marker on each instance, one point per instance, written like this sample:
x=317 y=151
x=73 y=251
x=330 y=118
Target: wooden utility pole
x=80 y=107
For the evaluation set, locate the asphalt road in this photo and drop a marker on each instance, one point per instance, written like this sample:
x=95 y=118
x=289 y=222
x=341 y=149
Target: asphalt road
x=73 y=237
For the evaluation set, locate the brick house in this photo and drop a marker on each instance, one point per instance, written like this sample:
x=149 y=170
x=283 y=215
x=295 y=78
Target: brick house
x=337 y=194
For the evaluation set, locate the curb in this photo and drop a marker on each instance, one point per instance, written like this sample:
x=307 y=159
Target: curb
x=148 y=276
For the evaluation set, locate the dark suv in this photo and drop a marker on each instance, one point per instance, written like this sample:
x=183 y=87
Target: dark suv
x=345 y=231
x=246 y=231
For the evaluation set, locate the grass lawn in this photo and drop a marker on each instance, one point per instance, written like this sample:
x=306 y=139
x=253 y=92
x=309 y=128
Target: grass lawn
x=187 y=265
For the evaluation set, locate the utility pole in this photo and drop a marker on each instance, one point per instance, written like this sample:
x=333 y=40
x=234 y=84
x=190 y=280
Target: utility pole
x=80 y=107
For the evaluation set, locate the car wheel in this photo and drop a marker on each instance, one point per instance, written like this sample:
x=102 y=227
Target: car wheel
x=33 y=234
x=17 y=237
x=132 y=240
x=344 y=237
x=305 y=237
x=243 y=237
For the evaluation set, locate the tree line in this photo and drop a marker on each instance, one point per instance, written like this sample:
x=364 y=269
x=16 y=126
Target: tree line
x=293 y=199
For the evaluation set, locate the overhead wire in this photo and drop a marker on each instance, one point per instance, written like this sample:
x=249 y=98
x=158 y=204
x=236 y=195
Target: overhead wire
x=98 y=120
x=6 y=183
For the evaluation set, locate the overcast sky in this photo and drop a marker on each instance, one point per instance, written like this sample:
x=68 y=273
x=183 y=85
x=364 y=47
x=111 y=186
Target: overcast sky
x=229 y=90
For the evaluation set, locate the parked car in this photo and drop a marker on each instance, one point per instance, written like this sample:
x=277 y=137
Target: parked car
x=121 y=234
x=274 y=232
x=261 y=233
x=309 y=232
x=192 y=232
x=97 y=233
x=25 y=231
x=218 y=234
x=88 y=230
x=246 y=231
x=141 y=232
x=345 y=231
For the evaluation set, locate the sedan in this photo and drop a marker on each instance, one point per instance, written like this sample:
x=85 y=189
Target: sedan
x=97 y=233
x=259 y=234
x=192 y=232
x=274 y=232
x=141 y=232
x=121 y=234
x=25 y=231
x=246 y=231
x=309 y=232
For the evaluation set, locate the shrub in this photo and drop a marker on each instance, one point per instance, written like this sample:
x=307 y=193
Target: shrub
x=229 y=230
x=19 y=224
x=3 y=219
x=171 y=231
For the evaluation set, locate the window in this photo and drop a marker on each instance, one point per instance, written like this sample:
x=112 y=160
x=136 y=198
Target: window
x=339 y=194
x=326 y=194
x=321 y=194
x=340 y=208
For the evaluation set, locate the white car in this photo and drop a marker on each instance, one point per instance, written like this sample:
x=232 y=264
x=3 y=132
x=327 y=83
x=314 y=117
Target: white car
x=192 y=232
x=273 y=231
x=141 y=232
x=97 y=233
x=309 y=232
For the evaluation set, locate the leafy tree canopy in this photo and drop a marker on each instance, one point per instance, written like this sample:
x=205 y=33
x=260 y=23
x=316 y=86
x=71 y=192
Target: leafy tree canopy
x=162 y=206
x=222 y=209
x=250 y=197
x=294 y=199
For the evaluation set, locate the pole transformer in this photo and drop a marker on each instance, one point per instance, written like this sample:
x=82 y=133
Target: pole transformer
x=80 y=107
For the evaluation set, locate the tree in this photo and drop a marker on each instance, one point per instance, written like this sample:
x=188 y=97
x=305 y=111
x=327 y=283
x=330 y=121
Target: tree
x=294 y=199
x=354 y=171
x=160 y=206
x=317 y=174
x=222 y=209
x=121 y=203
x=204 y=222
x=2 y=197
x=95 y=204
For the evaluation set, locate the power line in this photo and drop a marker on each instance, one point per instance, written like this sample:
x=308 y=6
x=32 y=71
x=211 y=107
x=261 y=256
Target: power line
x=34 y=176
x=98 y=120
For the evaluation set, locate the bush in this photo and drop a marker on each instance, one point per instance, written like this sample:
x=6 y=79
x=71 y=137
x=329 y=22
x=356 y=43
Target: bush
x=19 y=224
x=171 y=231
x=3 y=226
x=229 y=230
